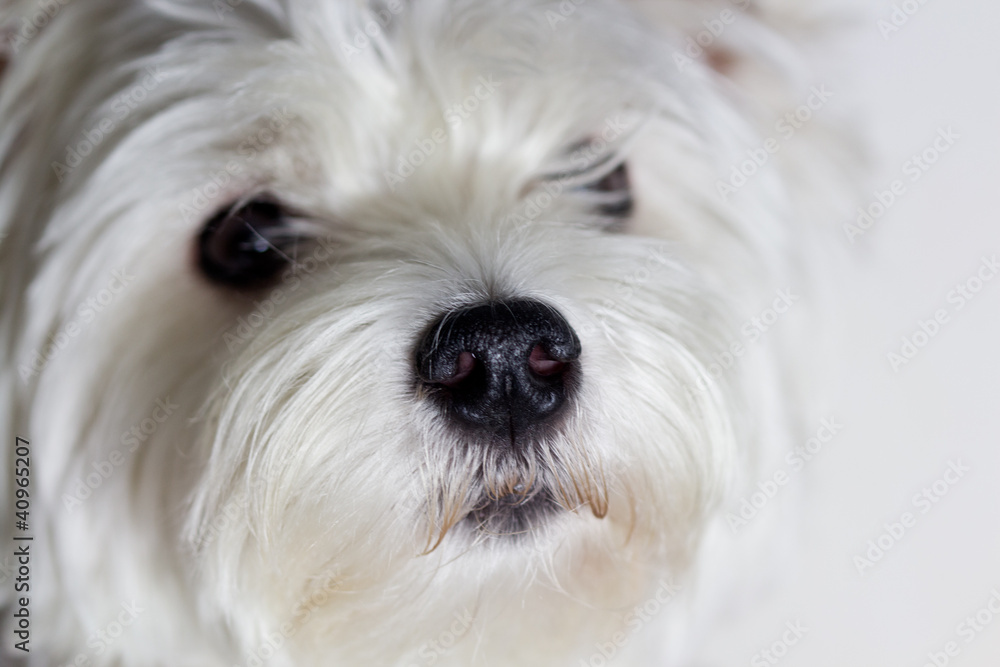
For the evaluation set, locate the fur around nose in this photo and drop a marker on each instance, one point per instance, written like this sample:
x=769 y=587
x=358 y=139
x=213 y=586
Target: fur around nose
x=500 y=367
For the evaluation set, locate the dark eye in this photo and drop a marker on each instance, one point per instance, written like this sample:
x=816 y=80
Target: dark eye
x=613 y=193
x=246 y=245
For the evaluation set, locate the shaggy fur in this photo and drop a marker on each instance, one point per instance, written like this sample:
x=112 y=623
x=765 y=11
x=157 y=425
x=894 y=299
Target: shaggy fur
x=271 y=484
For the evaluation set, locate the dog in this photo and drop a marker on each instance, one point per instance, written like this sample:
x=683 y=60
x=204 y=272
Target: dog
x=398 y=332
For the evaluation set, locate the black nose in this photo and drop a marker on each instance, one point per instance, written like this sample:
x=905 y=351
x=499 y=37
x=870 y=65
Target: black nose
x=502 y=367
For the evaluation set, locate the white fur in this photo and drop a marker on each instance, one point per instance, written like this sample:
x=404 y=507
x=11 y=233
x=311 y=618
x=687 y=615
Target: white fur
x=302 y=470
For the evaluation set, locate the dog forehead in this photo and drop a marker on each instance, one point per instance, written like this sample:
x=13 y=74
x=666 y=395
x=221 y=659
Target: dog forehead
x=458 y=59
x=445 y=97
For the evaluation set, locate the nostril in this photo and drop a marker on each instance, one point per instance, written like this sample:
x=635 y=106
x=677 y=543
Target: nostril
x=542 y=364
x=464 y=365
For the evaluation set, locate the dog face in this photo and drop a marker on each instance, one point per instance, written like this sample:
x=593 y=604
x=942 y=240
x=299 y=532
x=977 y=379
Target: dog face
x=389 y=314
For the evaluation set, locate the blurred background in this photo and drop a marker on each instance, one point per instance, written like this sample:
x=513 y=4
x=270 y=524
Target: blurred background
x=910 y=71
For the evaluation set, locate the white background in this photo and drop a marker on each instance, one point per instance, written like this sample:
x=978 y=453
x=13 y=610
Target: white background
x=902 y=428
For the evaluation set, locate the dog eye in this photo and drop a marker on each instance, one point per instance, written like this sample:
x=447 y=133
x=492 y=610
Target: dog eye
x=612 y=194
x=245 y=246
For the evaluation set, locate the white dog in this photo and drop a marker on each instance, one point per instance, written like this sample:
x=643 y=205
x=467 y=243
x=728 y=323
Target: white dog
x=401 y=332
